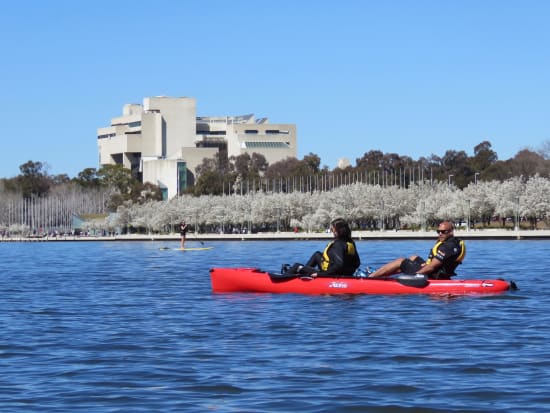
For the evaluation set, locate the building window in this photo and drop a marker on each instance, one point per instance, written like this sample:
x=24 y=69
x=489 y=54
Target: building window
x=276 y=132
x=266 y=145
x=212 y=132
x=251 y=131
x=182 y=177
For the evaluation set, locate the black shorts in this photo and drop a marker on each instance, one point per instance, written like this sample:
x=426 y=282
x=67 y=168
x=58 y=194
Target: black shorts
x=411 y=266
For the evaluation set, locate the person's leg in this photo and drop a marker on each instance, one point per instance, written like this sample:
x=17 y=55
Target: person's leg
x=390 y=268
x=312 y=266
x=292 y=269
x=305 y=270
x=315 y=260
x=412 y=265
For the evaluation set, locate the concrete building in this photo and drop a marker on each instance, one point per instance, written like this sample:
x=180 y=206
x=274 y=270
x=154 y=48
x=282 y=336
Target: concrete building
x=162 y=141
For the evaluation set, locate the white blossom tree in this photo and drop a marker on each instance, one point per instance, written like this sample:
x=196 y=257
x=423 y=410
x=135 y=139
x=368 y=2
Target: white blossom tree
x=535 y=199
x=421 y=205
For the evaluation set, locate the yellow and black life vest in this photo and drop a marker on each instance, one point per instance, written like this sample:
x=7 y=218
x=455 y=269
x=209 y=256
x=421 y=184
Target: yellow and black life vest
x=458 y=259
x=448 y=268
x=350 y=250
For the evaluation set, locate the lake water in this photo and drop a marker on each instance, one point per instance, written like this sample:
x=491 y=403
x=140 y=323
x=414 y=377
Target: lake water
x=127 y=327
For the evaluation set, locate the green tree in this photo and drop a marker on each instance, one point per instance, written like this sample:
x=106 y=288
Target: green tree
x=391 y=165
x=282 y=168
x=483 y=157
x=210 y=176
x=125 y=187
x=258 y=164
x=312 y=162
x=209 y=182
x=88 y=178
x=248 y=166
x=456 y=163
x=483 y=160
x=117 y=177
x=60 y=179
x=306 y=167
x=370 y=161
x=527 y=163
x=499 y=171
x=34 y=180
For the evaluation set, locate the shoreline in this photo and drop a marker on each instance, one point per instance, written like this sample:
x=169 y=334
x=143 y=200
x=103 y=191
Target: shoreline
x=300 y=236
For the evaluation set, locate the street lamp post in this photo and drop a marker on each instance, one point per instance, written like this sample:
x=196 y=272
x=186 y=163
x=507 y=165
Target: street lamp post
x=196 y=224
x=517 y=213
x=468 y=223
x=422 y=216
x=383 y=223
x=250 y=220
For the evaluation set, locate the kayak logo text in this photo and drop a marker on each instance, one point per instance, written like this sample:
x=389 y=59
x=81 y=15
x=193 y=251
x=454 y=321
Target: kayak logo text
x=338 y=284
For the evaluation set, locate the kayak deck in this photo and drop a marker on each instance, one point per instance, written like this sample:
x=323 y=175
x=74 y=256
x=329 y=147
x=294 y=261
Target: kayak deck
x=225 y=280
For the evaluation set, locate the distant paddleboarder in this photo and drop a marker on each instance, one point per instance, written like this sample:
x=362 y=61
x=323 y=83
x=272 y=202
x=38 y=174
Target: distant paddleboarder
x=183 y=233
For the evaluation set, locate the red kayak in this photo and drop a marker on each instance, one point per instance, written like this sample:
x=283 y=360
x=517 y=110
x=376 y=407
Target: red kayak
x=225 y=280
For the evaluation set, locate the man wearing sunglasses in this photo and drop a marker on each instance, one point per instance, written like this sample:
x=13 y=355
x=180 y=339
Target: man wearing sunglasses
x=447 y=253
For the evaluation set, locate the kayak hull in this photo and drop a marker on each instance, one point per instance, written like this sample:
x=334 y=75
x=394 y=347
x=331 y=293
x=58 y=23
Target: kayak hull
x=254 y=280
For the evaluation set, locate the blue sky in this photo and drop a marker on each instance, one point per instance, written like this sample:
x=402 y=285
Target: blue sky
x=409 y=77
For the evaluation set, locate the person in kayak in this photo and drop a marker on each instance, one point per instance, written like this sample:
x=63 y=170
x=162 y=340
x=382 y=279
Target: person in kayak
x=340 y=256
x=447 y=253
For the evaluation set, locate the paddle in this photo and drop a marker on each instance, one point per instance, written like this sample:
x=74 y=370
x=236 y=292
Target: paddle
x=415 y=280
x=197 y=238
x=285 y=277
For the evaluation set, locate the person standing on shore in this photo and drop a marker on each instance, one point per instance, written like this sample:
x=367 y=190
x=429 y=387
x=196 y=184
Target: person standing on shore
x=447 y=253
x=183 y=233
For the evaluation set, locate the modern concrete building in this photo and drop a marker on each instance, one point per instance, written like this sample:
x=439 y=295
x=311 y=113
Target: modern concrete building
x=163 y=141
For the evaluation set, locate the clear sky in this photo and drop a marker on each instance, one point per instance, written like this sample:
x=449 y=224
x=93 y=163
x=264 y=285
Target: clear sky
x=409 y=77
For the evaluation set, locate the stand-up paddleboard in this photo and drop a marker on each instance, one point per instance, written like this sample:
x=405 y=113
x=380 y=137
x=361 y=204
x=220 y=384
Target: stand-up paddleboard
x=186 y=249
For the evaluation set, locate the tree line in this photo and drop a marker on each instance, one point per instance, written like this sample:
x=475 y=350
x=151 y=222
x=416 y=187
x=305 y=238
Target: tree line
x=35 y=199
x=222 y=175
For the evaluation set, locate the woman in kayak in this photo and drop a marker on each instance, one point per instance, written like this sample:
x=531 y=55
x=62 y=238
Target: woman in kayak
x=339 y=257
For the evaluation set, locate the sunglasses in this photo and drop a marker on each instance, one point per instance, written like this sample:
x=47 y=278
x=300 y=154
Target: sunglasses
x=443 y=231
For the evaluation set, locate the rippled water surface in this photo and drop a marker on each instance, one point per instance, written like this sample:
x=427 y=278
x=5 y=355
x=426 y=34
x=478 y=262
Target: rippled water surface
x=127 y=327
